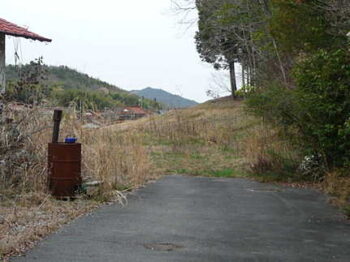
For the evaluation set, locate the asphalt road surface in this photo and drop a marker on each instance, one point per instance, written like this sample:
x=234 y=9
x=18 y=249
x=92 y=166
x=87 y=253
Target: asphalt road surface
x=198 y=219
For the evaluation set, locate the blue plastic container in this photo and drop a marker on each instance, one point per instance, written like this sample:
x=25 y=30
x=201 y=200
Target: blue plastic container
x=70 y=140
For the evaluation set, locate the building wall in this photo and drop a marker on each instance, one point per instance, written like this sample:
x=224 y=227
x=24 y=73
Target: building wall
x=2 y=63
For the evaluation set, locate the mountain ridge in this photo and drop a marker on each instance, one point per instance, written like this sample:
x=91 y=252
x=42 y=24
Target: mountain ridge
x=167 y=98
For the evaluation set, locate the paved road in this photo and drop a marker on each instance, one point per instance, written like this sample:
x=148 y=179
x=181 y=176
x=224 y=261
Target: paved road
x=204 y=220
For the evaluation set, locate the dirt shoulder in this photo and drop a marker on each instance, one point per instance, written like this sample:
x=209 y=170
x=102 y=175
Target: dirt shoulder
x=26 y=221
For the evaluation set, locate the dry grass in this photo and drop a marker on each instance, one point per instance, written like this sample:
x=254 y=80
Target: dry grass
x=338 y=186
x=270 y=155
x=213 y=139
x=205 y=140
x=27 y=212
x=117 y=159
x=27 y=221
x=21 y=155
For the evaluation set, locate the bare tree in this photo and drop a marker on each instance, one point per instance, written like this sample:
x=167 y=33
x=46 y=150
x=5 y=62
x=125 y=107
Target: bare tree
x=219 y=84
x=186 y=11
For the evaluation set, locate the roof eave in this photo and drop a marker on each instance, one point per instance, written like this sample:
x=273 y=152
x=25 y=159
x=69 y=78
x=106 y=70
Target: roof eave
x=41 y=39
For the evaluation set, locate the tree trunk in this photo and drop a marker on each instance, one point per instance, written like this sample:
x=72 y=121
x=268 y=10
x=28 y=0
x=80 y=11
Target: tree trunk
x=249 y=76
x=243 y=74
x=2 y=63
x=2 y=70
x=233 y=80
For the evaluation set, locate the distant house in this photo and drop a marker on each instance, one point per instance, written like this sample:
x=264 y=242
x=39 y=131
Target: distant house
x=132 y=113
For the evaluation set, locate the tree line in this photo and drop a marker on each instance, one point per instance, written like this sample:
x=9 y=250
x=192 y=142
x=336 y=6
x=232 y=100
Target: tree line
x=295 y=63
x=36 y=84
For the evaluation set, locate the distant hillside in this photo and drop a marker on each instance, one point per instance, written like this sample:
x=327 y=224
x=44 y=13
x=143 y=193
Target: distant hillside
x=172 y=101
x=66 y=77
x=66 y=85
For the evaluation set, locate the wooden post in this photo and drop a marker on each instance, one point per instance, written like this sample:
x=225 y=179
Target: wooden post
x=2 y=63
x=2 y=71
x=57 y=117
x=233 y=79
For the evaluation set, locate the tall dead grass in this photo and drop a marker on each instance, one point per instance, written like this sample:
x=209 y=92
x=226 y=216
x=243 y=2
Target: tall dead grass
x=268 y=151
x=27 y=211
x=118 y=159
x=204 y=124
x=338 y=186
x=220 y=135
x=22 y=158
x=199 y=141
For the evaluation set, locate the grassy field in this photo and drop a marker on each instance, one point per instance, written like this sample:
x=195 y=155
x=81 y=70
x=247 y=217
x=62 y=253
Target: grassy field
x=220 y=139
x=217 y=139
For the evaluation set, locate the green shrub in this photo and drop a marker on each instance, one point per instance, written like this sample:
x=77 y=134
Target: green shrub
x=245 y=91
x=323 y=97
x=275 y=104
x=317 y=112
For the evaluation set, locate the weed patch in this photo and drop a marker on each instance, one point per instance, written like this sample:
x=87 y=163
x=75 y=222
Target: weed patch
x=223 y=173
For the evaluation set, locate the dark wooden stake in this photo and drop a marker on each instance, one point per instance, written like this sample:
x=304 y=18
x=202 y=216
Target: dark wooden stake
x=57 y=117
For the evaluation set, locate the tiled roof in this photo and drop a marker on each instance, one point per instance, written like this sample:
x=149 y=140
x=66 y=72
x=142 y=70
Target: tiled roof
x=135 y=110
x=11 y=29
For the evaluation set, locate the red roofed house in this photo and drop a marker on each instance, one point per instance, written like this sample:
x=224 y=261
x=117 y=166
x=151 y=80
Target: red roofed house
x=8 y=28
x=132 y=113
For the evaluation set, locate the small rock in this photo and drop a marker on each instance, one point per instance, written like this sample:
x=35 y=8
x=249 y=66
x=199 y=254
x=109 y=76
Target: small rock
x=91 y=126
x=93 y=183
x=2 y=220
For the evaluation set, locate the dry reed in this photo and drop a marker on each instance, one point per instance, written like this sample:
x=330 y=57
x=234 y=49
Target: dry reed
x=27 y=212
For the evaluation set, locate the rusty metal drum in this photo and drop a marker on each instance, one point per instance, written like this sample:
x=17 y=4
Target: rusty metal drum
x=64 y=169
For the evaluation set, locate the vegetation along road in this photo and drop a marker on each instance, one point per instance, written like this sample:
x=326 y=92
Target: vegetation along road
x=201 y=219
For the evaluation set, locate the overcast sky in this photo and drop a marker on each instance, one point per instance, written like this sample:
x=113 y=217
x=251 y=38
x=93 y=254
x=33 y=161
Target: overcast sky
x=132 y=44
